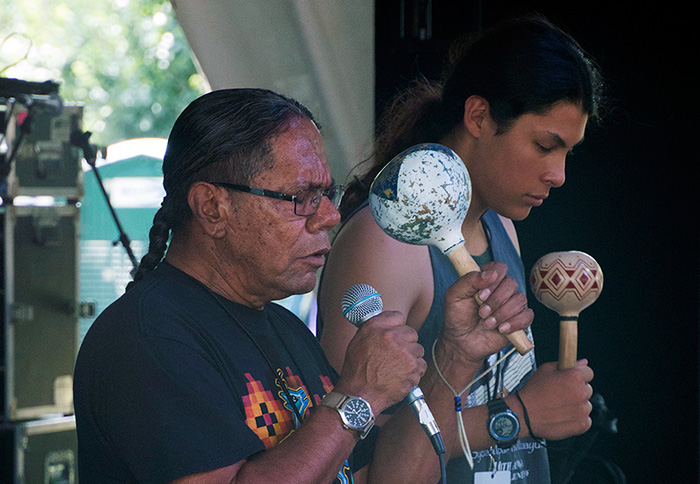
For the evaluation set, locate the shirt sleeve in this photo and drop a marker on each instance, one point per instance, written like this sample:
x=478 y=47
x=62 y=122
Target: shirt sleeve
x=170 y=413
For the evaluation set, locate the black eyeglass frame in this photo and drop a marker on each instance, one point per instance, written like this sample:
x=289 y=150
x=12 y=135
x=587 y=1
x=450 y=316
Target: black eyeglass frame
x=321 y=192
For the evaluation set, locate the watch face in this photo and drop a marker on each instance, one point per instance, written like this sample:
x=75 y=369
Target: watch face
x=357 y=413
x=504 y=426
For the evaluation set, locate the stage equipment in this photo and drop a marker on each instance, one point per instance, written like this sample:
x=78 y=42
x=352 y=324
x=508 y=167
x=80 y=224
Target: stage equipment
x=11 y=88
x=39 y=452
x=40 y=188
x=40 y=320
x=567 y=282
x=40 y=159
x=421 y=197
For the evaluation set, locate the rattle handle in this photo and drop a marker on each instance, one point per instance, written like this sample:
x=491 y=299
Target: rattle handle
x=464 y=263
x=568 y=338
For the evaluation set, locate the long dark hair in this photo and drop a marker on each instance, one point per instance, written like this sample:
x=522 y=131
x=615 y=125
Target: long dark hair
x=223 y=135
x=524 y=65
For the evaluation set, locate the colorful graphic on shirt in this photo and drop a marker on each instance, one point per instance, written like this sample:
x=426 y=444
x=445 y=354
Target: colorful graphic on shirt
x=269 y=414
x=299 y=399
x=265 y=414
x=344 y=476
x=272 y=419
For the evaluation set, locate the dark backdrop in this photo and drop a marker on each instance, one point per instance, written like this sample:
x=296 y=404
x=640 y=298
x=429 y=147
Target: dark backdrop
x=628 y=201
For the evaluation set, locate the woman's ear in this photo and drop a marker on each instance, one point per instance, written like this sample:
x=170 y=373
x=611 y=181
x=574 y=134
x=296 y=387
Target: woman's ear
x=477 y=115
x=205 y=201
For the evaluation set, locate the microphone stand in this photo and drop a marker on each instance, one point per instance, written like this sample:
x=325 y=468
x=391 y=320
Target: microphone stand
x=80 y=139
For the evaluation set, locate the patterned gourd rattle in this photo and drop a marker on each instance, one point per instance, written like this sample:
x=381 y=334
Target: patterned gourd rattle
x=567 y=282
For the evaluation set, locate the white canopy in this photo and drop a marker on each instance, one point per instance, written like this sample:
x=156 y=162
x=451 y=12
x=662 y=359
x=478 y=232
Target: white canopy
x=320 y=52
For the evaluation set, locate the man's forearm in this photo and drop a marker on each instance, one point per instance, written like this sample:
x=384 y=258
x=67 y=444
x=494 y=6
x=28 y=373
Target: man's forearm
x=312 y=454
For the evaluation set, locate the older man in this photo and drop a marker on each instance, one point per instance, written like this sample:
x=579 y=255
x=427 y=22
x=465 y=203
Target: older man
x=193 y=375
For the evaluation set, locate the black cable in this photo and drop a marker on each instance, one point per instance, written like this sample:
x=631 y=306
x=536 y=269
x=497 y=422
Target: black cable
x=443 y=469
x=527 y=421
x=279 y=376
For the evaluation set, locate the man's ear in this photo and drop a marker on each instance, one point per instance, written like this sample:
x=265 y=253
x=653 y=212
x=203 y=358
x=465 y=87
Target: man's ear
x=477 y=115
x=205 y=201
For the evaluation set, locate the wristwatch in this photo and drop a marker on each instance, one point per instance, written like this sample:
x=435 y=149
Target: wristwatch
x=503 y=423
x=355 y=412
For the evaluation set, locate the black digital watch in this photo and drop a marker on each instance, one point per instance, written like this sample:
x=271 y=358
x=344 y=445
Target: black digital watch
x=503 y=424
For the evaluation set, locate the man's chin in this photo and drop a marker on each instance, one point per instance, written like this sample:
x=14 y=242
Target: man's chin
x=302 y=285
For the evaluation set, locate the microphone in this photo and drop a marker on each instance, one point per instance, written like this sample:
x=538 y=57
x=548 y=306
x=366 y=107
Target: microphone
x=362 y=302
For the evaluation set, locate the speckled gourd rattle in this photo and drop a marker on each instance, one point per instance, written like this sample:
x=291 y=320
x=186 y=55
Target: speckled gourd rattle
x=421 y=197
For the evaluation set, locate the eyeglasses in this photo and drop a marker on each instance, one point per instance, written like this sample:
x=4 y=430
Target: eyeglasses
x=306 y=202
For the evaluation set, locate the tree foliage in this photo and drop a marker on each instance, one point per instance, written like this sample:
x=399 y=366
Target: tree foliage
x=127 y=61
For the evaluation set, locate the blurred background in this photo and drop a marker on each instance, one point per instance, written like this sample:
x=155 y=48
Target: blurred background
x=123 y=70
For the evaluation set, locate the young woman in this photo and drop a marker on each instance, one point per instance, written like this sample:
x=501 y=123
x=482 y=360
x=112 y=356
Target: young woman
x=514 y=103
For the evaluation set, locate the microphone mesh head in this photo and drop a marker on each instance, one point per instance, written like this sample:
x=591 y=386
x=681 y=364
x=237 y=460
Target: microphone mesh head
x=360 y=303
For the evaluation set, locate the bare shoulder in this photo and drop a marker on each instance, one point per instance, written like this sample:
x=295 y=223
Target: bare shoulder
x=363 y=247
x=510 y=229
x=363 y=253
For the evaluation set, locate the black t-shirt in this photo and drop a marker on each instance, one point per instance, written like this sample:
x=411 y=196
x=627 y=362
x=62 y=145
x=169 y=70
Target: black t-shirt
x=173 y=380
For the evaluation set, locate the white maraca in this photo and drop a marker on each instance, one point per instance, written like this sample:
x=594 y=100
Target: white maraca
x=421 y=197
x=567 y=282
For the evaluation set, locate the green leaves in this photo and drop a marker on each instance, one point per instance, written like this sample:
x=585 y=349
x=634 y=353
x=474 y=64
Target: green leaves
x=127 y=61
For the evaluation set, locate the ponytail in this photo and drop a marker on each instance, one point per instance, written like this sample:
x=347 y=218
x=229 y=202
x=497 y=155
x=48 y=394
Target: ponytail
x=413 y=117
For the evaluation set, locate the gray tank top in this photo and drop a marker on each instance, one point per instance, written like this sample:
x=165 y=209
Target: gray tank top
x=527 y=459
